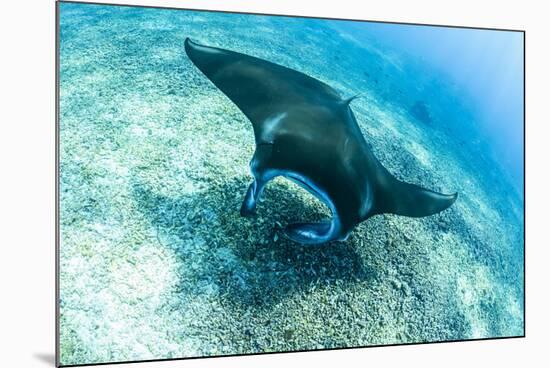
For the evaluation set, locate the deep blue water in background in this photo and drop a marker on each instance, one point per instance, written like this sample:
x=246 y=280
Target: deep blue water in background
x=485 y=66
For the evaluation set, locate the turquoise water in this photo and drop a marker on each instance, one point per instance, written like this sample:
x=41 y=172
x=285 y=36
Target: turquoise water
x=156 y=261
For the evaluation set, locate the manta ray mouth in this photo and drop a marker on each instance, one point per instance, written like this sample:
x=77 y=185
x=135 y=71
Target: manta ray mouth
x=310 y=187
x=330 y=228
x=313 y=189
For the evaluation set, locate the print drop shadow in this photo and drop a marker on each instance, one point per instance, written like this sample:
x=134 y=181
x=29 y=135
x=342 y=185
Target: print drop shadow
x=269 y=267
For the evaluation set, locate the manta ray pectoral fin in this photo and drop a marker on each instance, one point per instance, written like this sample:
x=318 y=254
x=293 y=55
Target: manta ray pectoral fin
x=262 y=90
x=413 y=201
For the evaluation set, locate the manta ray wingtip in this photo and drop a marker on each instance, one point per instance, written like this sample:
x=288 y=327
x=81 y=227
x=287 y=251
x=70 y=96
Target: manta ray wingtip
x=413 y=201
x=454 y=197
x=440 y=202
x=189 y=43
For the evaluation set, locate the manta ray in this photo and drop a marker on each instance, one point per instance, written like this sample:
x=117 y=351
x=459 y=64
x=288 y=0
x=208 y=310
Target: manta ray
x=305 y=132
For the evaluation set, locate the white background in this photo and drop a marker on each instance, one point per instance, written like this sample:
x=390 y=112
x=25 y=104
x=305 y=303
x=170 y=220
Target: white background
x=27 y=182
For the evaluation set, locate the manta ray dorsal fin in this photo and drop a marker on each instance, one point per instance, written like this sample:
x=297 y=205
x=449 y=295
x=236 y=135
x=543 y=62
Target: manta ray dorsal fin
x=347 y=101
x=259 y=88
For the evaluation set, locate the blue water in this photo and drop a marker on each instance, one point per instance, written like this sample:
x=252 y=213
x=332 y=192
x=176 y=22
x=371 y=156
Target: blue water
x=485 y=69
x=155 y=260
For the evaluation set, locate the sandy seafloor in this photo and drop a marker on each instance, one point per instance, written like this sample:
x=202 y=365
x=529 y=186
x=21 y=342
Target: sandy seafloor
x=156 y=261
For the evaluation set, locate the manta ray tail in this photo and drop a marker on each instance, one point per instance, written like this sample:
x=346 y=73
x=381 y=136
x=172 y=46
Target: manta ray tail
x=411 y=200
